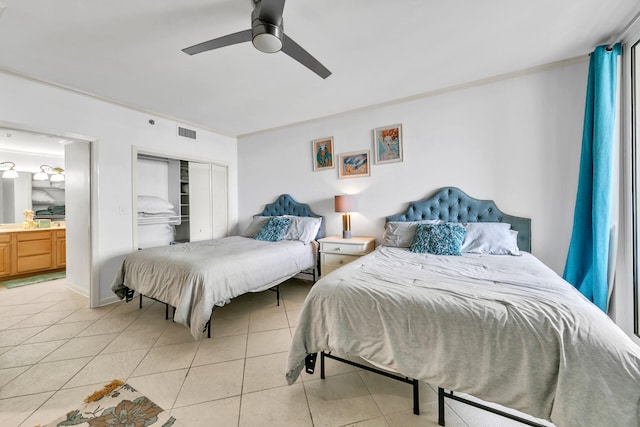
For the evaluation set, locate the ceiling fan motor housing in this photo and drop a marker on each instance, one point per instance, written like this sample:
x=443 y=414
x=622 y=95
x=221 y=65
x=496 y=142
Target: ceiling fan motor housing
x=266 y=34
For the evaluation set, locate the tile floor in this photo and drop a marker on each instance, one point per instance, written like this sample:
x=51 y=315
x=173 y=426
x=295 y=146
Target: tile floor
x=54 y=351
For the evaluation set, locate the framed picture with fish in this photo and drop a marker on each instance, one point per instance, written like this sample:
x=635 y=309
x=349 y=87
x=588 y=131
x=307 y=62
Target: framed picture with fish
x=354 y=164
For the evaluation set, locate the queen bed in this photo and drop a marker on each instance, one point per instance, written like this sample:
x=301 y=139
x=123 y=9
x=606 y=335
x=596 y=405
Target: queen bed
x=196 y=277
x=503 y=328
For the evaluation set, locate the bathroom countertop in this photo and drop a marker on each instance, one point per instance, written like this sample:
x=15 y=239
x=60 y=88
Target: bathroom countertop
x=13 y=228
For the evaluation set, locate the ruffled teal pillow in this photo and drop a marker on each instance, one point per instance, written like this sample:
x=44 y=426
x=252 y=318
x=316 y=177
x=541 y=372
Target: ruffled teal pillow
x=438 y=239
x=274 y=229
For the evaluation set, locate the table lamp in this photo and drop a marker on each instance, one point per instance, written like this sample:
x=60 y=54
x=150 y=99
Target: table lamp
x=346 y=204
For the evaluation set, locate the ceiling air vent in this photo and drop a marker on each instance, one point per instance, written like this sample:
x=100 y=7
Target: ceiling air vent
x=186 y=133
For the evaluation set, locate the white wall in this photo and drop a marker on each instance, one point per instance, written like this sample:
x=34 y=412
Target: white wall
x=115 y=129
x=516 y=141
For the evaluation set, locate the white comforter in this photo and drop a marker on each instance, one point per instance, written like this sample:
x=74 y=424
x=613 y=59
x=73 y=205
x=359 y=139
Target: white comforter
x=504 y=329
x=195 y=277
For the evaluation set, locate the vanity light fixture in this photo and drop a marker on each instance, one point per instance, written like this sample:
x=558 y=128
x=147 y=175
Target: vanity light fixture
x=57 y=174
x=9 y=170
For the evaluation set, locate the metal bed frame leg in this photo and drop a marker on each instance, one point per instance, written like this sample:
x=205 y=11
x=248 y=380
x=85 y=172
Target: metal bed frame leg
x=413 y=381
x=276 y=289
x=451 y=395
x=416 y=397
x=440 y=406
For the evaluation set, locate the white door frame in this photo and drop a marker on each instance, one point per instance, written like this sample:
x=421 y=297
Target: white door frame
x=93 y=290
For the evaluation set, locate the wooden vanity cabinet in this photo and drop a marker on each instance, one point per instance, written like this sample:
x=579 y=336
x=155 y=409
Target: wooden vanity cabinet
x=5 y=255
x=31 y=251
x=61 y=248
x=34 y=251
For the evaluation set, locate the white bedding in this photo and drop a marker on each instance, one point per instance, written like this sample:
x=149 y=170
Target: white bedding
x=195 y=277
x=504 y=329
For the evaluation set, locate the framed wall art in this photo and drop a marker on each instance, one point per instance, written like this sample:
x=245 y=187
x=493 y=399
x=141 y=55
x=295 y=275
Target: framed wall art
x=387 y=142
x=323 y=154
x=354 y=164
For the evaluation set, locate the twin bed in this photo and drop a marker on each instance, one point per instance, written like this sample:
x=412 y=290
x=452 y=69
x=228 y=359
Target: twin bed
x=502 y=328
x=196 y=277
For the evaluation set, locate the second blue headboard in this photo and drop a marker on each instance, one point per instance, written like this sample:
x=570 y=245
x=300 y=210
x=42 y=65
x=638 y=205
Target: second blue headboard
x=450 y=204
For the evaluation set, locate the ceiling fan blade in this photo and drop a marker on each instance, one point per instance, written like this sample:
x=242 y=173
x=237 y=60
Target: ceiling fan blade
x=271 y=11
x=295 y=51
x=228 y=40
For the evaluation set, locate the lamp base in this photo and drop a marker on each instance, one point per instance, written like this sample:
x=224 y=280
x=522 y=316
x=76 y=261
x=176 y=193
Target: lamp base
x=346 y=234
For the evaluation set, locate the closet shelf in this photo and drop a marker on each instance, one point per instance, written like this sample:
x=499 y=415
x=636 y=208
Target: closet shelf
x=171 y=220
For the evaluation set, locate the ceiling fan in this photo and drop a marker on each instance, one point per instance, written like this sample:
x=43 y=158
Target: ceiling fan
x=267 y=35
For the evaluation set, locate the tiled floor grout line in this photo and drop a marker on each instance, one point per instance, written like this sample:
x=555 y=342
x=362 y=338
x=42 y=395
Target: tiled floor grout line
x=253 y=311
x=53 y=393
x=62 y=387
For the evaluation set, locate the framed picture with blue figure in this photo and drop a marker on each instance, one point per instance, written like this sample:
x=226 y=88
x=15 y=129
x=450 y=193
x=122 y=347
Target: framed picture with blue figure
x=354 y=164
x=323 y=154
x=387 y=142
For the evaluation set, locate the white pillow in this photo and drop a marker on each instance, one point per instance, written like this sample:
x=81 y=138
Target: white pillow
x=494 y=238
x=256 y=225
x=41 y=196
x=151 y=204
x=399 y=234
x=303 y=228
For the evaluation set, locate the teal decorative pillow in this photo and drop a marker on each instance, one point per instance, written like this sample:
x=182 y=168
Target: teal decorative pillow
x=438 y=239
x=274 y=229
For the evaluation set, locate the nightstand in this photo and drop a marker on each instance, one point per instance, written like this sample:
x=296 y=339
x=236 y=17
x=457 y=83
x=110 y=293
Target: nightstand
x=336 y=251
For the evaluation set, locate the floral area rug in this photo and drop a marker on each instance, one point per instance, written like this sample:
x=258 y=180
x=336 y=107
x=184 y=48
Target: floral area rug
x=116 y=405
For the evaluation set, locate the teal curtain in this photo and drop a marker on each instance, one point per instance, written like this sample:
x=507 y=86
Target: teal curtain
x=588 y=256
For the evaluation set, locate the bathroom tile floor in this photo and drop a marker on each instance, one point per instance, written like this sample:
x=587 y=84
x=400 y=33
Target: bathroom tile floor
x=54 y=351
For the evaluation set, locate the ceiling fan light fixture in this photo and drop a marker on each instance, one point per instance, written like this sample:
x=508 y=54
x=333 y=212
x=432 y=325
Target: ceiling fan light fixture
x=267 y=38
x=267 y=35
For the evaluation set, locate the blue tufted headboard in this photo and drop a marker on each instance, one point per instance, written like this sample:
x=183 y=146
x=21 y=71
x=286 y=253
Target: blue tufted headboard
x=451 y=204
x=285 y=205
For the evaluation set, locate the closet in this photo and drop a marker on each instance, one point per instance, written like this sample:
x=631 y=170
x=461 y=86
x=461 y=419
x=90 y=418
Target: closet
x=179 y=200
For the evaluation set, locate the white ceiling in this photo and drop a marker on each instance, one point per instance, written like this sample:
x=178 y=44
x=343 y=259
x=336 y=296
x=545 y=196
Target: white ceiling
x=12 y=141
x=378 y=50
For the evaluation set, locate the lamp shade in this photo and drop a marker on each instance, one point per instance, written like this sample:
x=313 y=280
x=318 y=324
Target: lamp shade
x=346 y=203
x=11 y=174
x=57 y=177
x=40 y=176
x=9 y=170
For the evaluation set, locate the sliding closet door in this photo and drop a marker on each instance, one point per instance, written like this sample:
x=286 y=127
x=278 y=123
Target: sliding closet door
x=208 y=201
x=200 y=201
x=220 y=201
